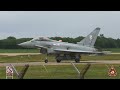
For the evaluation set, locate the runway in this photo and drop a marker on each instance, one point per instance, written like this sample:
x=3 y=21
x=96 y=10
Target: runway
x=64 y=63
x=55 y=63
x=16 y=54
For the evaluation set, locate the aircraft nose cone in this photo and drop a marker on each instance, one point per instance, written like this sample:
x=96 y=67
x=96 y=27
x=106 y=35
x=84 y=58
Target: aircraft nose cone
x=19 y=44
x=22 y=44
x=26 y=45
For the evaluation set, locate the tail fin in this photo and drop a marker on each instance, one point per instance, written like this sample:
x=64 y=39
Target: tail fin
x=90 y=39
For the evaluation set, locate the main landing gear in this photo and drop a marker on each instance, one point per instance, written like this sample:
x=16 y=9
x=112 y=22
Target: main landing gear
x=58 y=58
x=76 y=57
x=46 y=60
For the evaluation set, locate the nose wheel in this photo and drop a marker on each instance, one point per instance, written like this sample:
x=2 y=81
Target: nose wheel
x=46 y=60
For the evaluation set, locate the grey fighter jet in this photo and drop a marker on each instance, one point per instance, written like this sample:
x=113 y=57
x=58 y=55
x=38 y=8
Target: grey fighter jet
x=64 y=50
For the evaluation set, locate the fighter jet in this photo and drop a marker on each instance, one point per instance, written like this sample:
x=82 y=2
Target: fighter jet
x=65 y=50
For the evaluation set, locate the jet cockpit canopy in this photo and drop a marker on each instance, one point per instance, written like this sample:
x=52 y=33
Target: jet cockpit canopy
x=41 y=39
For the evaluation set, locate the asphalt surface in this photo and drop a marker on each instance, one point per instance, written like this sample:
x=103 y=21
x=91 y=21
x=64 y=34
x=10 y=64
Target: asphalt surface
x=63 y=63
x=16 y=54
x=55 y=63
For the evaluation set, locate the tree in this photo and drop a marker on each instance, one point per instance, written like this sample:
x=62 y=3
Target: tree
x=101 y=42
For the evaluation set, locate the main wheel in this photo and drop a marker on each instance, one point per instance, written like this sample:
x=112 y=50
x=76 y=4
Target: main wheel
x=77 y=60
x=58 y=60
x=46 y=60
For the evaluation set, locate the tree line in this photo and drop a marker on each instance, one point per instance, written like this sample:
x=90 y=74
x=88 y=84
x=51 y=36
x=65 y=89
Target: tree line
x=101 y=42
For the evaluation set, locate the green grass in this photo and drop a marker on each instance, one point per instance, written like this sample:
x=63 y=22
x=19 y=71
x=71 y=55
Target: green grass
x=101 y=72
x=113 y=50
x=35 y=58
x=25 y=58
x=60 y=72
x=57 y=72
x=103 y=57
x=19 y=51
x=64 y=72
x=51 y=58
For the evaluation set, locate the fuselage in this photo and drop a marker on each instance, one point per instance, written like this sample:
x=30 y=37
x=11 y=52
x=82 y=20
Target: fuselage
x=52 y=45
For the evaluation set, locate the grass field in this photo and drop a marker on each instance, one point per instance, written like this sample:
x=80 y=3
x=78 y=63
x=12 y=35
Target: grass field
x=98 y=71
x=64 y=72
x=25 y=58
x=51 y=58
x=113 y=50
x=19 y=51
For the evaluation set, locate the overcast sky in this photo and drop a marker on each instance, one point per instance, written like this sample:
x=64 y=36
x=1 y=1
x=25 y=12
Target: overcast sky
x=58 y=23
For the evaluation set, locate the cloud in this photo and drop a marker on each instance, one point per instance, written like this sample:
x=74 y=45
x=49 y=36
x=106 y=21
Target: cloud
x=61 y=23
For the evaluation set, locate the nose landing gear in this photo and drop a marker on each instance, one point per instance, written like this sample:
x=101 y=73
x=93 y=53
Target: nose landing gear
x=46 y=60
